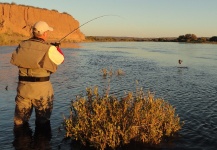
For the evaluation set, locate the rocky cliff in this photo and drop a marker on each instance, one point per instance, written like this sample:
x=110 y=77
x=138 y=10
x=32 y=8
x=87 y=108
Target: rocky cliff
x=18 y=19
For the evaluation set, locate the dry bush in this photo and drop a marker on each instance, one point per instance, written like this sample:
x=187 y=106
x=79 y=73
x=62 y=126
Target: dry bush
x=109 y=72
x=120 y=72
x=106 y=121
x=104 y=72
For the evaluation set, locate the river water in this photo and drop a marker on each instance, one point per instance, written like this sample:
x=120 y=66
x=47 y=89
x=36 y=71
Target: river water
x=190 y=87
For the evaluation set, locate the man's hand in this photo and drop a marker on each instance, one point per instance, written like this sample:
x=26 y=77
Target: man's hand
x=57 y=44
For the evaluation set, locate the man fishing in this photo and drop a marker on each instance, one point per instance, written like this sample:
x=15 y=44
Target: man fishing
x=36 y=61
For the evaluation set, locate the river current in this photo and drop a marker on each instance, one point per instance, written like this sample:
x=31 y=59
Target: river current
x=190 y=87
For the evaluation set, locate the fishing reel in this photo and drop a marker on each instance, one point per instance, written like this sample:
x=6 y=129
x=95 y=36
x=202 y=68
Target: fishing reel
x=57 y=44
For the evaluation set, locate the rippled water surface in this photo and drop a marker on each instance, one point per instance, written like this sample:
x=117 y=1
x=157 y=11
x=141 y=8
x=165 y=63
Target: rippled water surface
x=191 y=89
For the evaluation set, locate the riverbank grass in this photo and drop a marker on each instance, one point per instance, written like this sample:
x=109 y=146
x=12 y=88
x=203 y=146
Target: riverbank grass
x=106 y=121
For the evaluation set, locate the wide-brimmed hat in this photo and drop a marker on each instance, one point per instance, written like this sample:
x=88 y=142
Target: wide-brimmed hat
x=41 y=27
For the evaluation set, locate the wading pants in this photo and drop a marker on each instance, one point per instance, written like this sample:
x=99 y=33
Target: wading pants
x=33 y=94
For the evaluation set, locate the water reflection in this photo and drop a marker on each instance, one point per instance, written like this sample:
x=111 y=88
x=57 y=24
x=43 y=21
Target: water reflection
x=25 y=139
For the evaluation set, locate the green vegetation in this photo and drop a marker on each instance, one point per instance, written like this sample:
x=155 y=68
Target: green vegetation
x=213 y=39
x=54 y=10
x=11 y=38
x=13 y=3
x=188 y=38
x=192 y=38
x=108 y=122
x=115 y=39
x=66 y=13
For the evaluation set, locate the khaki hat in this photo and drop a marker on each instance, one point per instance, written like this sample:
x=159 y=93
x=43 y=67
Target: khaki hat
x=41 y=27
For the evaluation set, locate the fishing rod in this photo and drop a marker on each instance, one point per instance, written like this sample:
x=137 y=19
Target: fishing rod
x=58 y=43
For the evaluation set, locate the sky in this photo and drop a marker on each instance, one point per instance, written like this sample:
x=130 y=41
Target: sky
x=137 y=18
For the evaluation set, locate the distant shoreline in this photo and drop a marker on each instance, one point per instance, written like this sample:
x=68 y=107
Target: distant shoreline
x=205 y=40
x=14 y=40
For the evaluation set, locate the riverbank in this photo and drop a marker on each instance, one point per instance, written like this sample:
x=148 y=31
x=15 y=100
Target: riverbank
x=188 y=38
x=14 y=39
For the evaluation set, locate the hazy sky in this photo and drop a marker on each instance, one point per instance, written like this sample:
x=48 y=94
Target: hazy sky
x=138 y=18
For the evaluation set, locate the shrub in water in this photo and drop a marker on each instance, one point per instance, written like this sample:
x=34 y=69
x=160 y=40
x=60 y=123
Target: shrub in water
x=106 y=121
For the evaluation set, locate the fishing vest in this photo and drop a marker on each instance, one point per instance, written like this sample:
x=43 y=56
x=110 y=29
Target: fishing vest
x=31 y=57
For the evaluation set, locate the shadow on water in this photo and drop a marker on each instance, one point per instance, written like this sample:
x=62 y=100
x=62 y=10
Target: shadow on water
x=25 y=139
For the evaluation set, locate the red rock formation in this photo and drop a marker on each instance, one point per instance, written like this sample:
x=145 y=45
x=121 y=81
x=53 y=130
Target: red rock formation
x=19 y=19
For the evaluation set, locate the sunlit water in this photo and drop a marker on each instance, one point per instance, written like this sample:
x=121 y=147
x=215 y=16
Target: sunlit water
x=192 y=90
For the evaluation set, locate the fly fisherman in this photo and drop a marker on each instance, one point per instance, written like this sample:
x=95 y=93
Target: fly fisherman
x=36 y=61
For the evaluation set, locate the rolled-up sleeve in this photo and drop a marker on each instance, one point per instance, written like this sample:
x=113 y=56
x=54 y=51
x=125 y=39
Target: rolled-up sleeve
x=56 y=55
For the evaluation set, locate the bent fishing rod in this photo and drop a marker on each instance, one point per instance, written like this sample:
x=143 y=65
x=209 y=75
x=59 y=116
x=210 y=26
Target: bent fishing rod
x=58 y=43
